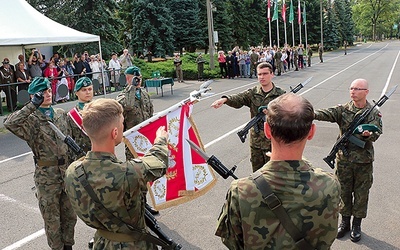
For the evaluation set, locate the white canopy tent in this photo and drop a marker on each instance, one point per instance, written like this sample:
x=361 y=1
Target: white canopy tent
x=25 y=27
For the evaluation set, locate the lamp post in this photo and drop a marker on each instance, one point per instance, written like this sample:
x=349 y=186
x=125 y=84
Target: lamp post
x=322 y=28
x=210 y=33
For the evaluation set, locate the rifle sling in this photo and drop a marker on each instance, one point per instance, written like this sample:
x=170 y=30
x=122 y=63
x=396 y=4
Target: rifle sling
x=138 y=234
x=276 y=207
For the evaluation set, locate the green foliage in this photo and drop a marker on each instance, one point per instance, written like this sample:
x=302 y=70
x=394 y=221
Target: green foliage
x=167 y=69
x=331 y=30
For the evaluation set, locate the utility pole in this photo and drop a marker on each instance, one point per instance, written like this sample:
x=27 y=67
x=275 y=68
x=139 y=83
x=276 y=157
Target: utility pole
x=210 y=33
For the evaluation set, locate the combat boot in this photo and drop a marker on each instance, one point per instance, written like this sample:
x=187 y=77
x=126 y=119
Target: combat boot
x=344 y=227
x=355 y=234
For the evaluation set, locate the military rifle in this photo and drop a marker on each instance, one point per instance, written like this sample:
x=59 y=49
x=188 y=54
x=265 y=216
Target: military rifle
x=347 y=136
x=150 y=220
x=214 y=162
x=255 y=121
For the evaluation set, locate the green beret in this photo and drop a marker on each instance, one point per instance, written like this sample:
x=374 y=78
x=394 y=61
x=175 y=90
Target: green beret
x=133 y=70
x=366 y=127
x=38 y=84
x=82 y=82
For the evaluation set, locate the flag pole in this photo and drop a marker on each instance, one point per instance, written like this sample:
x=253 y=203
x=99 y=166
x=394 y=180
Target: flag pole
x=305 y=23
x=269 y=21
x=299 y=19
x=284 y=18
x=291 y=18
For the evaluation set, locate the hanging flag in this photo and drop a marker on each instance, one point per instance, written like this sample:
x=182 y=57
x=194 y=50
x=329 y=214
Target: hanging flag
x=304 y=13
x=291 y=14
x=299 y=13
x=275 y=16
x=284 y=11
x=269 y=11
x=188 y=176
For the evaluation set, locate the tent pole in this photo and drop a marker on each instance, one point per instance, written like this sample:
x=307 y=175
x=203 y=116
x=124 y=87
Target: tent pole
x=102 y=70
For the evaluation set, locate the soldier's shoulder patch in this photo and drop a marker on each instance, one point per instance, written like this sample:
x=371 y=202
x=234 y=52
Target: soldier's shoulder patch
x=136 y=160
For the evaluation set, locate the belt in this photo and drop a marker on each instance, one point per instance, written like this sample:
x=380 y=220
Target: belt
x=117 y=237
x=44 y=163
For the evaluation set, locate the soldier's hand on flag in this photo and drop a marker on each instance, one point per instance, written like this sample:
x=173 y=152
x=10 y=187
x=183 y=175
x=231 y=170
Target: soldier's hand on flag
x=161 y=132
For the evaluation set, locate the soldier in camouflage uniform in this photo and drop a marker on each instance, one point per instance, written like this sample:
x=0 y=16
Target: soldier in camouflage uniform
x=355 y=170
x=309 y=195
x=51 y=159
x=120 y=186
x=135 y=101
x=253 y=98
x=84 y=91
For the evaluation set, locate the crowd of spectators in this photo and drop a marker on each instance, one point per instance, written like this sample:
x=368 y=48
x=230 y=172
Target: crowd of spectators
x=240 y=63
x=61 y=71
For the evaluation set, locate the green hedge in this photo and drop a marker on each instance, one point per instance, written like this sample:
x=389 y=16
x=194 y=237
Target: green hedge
x=189 y=67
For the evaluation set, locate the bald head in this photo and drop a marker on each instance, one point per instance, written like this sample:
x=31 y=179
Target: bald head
x=290 y=118
x=360 y=83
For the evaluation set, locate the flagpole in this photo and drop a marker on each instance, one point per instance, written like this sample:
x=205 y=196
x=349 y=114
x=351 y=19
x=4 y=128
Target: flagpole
x=291 y=17
x=305 y=22
x=269 y=21
x=284 y=18
x=277 y=30
x=299 y=19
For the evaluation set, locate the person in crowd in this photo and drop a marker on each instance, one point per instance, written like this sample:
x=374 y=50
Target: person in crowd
x=222 y=64
x=230 y=64
x=34 y=63
x=22 y=76
x=124 y=190
x=7 y=76
x=253 y=62
x=309 y=55
x=355 y=170
x=254 y=98
x=51 y=73
x=21 y=59
x=247 y=220
x=115 y=70
x=126 y=59
x=50 y=155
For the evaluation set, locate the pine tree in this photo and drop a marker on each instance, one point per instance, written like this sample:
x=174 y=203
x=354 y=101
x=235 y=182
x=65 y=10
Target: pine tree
x=331 y=31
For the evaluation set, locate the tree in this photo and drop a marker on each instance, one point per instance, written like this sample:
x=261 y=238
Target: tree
x=331 y=31
x=188 y=32
x=90 y=16
x=152 y=27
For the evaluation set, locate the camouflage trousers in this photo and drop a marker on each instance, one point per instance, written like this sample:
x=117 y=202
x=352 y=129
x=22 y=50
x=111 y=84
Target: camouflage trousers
x=258 y=157
x=101 y=243
x=355 y=181
x=55 y=207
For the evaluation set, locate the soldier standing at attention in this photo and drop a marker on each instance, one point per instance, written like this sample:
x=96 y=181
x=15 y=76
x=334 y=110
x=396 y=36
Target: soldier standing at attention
x=355 y=170
x=51 y=159
x=320 y=52
x=84 y=91
x=247 y=222
x=254 y=98
x=120 y=187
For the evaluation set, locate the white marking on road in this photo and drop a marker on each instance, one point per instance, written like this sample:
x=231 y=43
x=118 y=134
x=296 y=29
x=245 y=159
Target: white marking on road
x=25 y=240
x=390 y=75
x=15 y=157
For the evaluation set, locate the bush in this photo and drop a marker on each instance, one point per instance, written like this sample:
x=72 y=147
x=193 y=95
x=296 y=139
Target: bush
x=189 y=67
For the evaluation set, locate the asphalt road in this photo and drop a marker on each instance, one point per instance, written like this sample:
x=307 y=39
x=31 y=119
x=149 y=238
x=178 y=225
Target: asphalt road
x=193 y=224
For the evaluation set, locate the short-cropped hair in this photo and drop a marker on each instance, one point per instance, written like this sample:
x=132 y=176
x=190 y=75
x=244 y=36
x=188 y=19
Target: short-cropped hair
x=265 y=65
x=290 y=118
x=99 y=115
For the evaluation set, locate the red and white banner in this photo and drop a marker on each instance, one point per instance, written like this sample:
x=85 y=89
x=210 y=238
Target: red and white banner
x=188 y=175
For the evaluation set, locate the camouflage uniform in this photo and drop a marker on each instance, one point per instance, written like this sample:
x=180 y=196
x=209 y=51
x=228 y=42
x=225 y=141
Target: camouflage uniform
x=51 y=161
x=310 y=196
x=254 y=98
x=78 y=135
x=355 y=171
x=137 y=108
x=121 y=187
